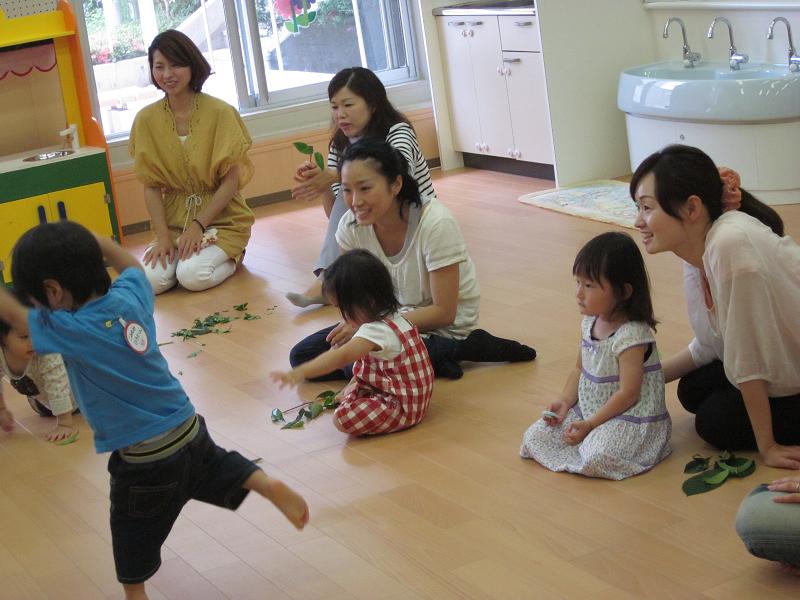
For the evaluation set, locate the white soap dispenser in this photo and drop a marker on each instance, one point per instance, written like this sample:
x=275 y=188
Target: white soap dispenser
x=70 y=135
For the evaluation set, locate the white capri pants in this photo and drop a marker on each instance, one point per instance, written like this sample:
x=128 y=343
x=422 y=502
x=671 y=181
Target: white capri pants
x=207 y=268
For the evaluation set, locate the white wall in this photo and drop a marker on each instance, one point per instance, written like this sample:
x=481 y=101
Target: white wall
x=750 y=21
x=585 y=44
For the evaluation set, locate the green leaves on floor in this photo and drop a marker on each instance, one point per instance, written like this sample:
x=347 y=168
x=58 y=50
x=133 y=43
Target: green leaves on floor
x=706 y=479
x=308 y=410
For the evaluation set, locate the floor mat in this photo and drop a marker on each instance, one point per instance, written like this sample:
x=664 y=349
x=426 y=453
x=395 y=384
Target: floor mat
x=602 y=200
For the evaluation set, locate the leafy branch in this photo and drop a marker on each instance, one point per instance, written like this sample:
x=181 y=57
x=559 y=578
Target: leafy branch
x=308 y=410
x=308 y=150
x=706 y=479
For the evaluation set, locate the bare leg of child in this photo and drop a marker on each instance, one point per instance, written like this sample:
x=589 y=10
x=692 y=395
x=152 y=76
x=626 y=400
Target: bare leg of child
x=134 y=591
x=285 y=499
x=313 y=295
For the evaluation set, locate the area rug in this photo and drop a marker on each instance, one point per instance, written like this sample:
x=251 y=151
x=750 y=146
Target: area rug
x=602 y=200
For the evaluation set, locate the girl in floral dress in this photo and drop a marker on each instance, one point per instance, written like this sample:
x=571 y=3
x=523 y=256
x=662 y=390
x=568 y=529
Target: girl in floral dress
x=611 y=420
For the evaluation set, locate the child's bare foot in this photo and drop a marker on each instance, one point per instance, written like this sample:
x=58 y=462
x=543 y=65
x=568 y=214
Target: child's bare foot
x=134 y=591
x=6 y=420
x=285 y=499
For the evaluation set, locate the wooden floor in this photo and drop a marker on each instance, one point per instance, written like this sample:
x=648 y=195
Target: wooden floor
x=446 y=510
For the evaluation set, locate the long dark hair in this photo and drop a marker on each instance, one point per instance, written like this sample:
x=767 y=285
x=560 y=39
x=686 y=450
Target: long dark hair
x=361 y=286
x=615 y=257
x=683 y=171
x=389 y=163
x=367 y=86
x=180 y=50
x=65 y=252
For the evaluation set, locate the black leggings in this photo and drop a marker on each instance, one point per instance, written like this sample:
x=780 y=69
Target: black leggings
x=445 y=353
x=439 y=348
x=721 y=417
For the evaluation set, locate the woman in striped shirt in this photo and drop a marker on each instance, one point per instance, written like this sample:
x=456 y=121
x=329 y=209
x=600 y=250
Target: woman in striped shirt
x=359 y=108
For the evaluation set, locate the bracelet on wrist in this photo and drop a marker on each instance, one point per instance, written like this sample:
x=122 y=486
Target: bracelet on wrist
x=202 y=227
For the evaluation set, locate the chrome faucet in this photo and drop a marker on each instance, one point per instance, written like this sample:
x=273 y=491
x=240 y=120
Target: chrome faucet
x=734 y=58
x=794 y=60
x=689 y=57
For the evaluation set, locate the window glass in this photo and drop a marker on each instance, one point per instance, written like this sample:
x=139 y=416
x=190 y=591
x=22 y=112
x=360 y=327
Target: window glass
x=303 y=43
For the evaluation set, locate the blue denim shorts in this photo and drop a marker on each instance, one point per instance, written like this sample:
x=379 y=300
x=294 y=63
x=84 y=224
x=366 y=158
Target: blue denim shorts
x=147 y=498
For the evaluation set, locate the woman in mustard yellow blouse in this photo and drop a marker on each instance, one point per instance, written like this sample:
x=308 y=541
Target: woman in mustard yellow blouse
x=190 y=152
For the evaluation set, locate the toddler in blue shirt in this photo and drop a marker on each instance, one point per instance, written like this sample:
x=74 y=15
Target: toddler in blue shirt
x=162 y=455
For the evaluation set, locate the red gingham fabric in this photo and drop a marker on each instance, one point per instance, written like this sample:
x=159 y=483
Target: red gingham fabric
x=391 y=394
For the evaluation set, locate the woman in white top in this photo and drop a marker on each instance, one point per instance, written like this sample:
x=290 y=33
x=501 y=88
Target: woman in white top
x=359 y=108
x=421 y=245
x=741 y=373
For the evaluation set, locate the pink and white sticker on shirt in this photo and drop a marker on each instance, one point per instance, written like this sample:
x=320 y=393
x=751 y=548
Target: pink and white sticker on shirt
x=135 y=336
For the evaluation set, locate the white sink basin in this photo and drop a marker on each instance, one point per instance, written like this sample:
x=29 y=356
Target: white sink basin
x=711 y=92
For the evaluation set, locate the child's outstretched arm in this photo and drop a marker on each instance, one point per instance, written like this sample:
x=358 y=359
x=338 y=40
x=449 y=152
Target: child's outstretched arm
x=568 y=396
x=631 y=372
x=55 y=383
x=333 y=359
x=117 y=257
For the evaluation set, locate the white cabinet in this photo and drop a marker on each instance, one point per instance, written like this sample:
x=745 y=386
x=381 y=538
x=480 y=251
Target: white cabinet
x=496 y=86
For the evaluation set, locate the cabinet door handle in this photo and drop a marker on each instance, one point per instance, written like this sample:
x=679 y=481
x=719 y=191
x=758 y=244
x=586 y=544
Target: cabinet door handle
x=523 y=23
x=62 y=210
x=475 y=23
x=455 y=23
x=42 y=214
x=512 y=60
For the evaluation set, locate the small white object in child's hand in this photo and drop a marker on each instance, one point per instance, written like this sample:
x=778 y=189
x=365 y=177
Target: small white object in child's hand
x=549 y=414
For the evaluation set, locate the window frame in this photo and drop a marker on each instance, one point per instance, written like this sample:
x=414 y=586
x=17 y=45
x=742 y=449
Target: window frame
x=253 y=95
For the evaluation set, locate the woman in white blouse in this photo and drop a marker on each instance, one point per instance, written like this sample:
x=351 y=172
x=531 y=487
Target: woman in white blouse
x=741 y=372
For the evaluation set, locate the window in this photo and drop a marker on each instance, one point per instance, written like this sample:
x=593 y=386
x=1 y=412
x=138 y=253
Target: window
x=262 y=52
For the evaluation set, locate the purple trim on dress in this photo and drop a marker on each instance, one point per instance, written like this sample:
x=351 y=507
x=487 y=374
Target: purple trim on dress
x=629 y=418
x=615 y=378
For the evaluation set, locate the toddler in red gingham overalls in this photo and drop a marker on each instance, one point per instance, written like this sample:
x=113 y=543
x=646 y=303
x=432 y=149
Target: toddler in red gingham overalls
x=388 y=395
x=393 y=376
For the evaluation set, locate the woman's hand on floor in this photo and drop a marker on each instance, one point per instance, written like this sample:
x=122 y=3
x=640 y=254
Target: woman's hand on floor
x=782 y=457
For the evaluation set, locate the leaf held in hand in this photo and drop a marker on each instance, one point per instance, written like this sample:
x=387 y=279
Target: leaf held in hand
x=302 y=147
x=276 y=415
x=698 y=464
x=319 y=160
